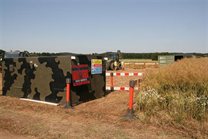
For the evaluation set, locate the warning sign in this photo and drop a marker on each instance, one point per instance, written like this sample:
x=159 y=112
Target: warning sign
x=80 y=74
x=96 y=66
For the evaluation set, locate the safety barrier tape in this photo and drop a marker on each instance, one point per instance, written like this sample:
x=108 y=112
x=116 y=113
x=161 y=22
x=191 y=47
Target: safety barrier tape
x=125 y=74
x=119 y=88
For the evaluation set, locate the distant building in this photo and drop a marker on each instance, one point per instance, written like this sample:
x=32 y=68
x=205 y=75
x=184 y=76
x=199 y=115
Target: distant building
x=168 y=59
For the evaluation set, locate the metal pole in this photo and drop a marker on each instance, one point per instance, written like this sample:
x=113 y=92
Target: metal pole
x=68 y=104
x=130 y=112
x=131 y=94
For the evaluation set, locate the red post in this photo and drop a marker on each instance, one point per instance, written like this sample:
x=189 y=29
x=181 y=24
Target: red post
x=68 y=93
x=111 y=81
x=131 y=95
x=130 y=112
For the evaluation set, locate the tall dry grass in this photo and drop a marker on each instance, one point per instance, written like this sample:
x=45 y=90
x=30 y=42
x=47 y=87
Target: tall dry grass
x=179 y=91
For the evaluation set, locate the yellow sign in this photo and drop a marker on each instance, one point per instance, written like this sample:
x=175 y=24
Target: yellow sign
x=96 y=61
x=96 y=66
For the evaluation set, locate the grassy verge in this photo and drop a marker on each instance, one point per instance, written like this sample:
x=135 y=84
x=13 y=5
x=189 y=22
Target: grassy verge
x=177 y=94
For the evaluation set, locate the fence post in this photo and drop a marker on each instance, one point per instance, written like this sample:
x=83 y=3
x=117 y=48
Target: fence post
x=68 y=93
x=131 y=94
x=111 y=81
x=130 y=111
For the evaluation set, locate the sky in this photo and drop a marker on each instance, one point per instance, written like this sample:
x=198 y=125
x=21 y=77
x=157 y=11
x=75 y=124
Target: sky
x=89 y=26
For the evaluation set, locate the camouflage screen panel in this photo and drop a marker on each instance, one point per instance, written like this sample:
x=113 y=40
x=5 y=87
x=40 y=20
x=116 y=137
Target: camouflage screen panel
x=44 y=78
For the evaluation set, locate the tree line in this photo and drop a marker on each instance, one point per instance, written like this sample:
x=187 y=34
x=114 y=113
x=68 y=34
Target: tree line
x=153 y=56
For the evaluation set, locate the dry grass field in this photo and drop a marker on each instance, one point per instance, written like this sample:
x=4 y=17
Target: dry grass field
x=184 y=82
x=101 y=118
x=178 y=94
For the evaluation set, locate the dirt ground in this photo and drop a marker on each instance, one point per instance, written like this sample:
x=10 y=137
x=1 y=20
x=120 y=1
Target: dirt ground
x=101 y=118
x=0 y=83
x=4 y=134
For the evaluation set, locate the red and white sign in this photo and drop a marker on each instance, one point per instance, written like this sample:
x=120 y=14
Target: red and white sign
x=80 y=74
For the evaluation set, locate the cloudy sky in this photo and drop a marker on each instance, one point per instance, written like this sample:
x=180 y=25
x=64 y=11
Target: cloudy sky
x=87 y=26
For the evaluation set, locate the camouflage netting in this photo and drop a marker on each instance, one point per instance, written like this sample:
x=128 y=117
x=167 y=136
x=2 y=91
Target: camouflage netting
x=44 y=78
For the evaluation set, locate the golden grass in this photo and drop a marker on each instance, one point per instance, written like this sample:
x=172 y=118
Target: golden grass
x=179 y=91
x=183 y=75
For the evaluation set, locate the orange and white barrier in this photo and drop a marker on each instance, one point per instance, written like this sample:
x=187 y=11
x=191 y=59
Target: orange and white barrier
x=124 y=74
x=119 y=88
x=122 y=88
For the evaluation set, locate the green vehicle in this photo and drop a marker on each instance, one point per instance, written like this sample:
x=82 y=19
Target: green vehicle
x=113 y=60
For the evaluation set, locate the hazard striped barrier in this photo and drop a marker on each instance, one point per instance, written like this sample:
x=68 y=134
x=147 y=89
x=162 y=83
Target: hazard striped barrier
x=119 y=88
x=122 y=88
x=124 y=73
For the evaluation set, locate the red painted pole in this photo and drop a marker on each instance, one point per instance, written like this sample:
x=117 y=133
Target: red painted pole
x=68 y=93
x=130 y=112
x=131 y=95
